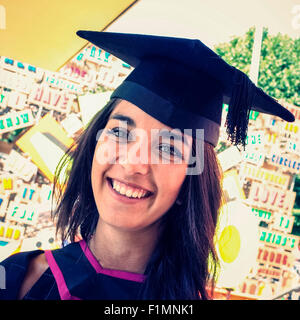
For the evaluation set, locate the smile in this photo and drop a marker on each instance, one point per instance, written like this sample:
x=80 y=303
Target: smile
x=128 y=191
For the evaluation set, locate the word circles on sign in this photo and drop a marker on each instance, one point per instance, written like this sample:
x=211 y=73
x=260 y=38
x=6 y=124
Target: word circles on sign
x=10 y=232
x=286 y=163
x=22 y=213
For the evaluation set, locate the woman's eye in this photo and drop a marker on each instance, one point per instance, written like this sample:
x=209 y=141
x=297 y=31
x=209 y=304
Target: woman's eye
x=170 y=150
x=119 y=133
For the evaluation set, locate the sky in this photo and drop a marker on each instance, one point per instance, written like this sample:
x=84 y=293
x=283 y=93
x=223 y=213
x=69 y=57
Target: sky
x=211 y=21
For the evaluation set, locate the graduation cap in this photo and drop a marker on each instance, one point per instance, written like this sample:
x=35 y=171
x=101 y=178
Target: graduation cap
x=183 y=84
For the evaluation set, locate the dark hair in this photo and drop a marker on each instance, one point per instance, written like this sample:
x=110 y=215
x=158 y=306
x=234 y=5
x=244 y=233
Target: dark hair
x=184 y=261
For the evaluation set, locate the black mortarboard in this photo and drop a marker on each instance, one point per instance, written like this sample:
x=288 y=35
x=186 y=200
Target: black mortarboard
x=183 y=84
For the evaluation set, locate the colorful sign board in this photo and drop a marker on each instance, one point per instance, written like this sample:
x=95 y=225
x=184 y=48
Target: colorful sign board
x=254 y=157
x=278 y=239
x=53 y=99
x=22 y=213
x=265 y=196
x=264 y=175
x=275 y=257
x=16 y=120
x=46 y=143
x=285 y=162
x=10 y=232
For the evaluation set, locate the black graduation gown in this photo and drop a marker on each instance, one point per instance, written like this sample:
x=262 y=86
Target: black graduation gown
x=73 y=274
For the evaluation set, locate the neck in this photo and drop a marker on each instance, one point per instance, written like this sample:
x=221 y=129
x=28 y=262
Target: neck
x=123 y=250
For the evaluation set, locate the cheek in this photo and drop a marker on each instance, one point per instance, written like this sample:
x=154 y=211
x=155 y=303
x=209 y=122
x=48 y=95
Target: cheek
x=171 y=179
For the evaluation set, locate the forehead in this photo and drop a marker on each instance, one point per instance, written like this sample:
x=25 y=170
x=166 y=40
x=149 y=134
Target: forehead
x=139 y=116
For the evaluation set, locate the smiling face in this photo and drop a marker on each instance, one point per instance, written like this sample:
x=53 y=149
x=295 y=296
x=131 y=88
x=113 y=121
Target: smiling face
x=137 y=170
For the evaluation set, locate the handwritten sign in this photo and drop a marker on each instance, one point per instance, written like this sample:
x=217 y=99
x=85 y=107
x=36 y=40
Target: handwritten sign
x=58 y=100
x=265 y=196
x=16 y=120
x=22 y=213
x=7 y=183
x=283 y=222
x=28 y=193
x=275 y=257
x=278 y=239
x=55 y=80
x=264 y=175
x=10 y=232
x=254 y=157
x=269 y=272
x=292 y=146
x=256 y=138
x=21 y=68
x=262 y=215
x=286 y=163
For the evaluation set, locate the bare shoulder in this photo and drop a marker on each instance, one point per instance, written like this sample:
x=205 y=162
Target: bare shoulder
x=37 y=266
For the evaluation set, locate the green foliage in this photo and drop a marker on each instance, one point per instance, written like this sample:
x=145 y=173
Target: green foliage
x=279 y=73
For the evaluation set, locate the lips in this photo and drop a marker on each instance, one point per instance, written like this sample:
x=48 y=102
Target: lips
x=129 y=190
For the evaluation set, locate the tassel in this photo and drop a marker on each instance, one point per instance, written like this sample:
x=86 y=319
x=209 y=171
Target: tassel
x=239 y=109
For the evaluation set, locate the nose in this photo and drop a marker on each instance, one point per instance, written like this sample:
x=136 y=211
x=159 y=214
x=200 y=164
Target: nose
x=134 y=157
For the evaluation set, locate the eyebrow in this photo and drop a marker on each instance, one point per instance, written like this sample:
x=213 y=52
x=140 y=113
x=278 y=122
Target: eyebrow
x=121 y=117
x=164 y=133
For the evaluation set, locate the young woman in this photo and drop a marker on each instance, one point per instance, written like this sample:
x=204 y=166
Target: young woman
x=141 y=191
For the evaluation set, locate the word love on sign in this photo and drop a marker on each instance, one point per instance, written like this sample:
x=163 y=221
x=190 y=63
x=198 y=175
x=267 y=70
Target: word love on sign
x=16 y=120
x=271 y=198
x=51 y=98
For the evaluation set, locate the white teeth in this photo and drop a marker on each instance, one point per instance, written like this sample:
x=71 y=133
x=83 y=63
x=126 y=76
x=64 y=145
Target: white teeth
x=135 y=194
x=130 y=193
